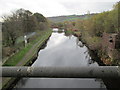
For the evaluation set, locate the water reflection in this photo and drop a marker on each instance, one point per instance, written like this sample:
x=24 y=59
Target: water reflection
x=62 y=51
x=58 y=30
x=79 y=43
x=63 y=83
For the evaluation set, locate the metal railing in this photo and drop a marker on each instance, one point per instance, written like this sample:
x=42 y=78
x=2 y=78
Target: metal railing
x=62 y=72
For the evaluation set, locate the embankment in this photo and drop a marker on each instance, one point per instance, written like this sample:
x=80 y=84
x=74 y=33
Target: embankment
x=26 y=57
x=111 y=83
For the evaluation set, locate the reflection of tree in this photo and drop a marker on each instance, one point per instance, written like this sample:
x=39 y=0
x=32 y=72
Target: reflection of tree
x=44 y=45
x=79 y=43
x=60 y=31
x=70 y=36
x=101 y=83
x=21 y=83
x=90 y=61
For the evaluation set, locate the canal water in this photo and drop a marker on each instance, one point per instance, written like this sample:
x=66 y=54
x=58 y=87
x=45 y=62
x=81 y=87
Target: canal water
x=62 y=50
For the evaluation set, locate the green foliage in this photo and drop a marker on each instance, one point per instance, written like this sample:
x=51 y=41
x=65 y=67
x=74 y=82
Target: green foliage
x=102 y=22
x=15 y=59
x=68 y=32
x=60 y=24
x=20 y=23
x=16 y=26
x=40 y=17
x=92 y=29
x=42 y=23
x=69 y=18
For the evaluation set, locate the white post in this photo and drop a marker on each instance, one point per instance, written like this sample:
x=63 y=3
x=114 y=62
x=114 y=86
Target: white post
x=25 y=38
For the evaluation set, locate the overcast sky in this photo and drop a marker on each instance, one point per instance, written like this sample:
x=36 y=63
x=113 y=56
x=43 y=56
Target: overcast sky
x=57 y=7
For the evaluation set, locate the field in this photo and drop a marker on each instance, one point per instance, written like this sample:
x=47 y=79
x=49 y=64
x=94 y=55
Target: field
x=69 y=18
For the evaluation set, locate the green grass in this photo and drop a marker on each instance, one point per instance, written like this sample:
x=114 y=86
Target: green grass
x=36 y=48
x=93 y=42
x=77 y=32
x=69 y=18
x=12 y=61
x=33 y=46
x=69 y=32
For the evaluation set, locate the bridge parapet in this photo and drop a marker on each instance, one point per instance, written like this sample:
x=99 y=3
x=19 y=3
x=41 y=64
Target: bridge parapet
x=62 y=72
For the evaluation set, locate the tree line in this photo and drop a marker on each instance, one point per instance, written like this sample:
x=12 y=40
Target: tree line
x=103 y=22
x=95 y=25
x=93 y=29
x=20 y=23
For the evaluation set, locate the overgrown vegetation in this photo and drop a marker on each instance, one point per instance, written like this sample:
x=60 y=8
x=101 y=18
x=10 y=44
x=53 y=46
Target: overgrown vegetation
x=92 y=30
x=20 y=23
x=59 y=19
x=40 y=37
x=17 y=25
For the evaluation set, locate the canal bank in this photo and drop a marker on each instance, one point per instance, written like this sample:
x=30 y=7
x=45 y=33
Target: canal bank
x=29 y=57
x=111 y=83
x=94 y=53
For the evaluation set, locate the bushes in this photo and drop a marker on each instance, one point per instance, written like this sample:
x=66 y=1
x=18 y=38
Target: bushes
x=20 y=23
x=17 y=25
x=93 y=29
x=39 y=38
x=94 y=42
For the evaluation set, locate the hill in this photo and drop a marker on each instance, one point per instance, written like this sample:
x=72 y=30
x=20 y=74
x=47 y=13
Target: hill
x=57 y=19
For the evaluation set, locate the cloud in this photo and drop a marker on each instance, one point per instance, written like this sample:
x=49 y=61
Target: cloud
x=84 y=7
x=56 y=7
x=43 y=6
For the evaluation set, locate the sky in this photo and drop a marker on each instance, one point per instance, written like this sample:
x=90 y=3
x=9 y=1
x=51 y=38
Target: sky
x=56 y=7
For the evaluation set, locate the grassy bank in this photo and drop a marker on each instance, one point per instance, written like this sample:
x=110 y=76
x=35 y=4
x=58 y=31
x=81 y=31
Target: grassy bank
x=26 y=54
x=15 y=59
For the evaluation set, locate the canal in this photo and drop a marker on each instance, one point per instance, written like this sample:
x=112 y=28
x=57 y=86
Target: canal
x=62 y=51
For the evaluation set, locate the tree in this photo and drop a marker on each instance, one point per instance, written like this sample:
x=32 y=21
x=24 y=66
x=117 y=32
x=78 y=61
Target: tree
x=40 y=17
x=20 y=23
x=10 y=30
x=41 y=21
